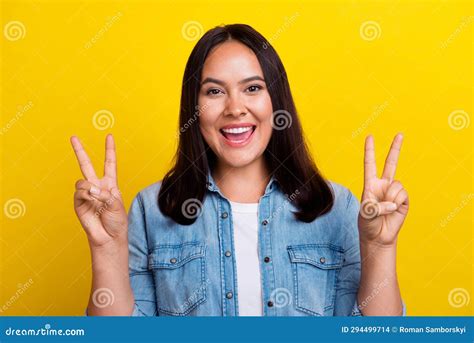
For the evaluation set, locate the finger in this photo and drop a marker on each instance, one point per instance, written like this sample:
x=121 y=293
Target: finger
x=110 y=200
x=83 y=194
x=84 y=161
x=370 y=168
x=392 y=158
x=393 y=190
x=84 y=184
x=116 y=193
x=94 y=189
x=386 y=207
x=401 y=198
x=371 y=208
x=110 y=164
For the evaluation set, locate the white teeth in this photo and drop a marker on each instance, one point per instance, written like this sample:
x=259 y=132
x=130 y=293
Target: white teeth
x=237 y=129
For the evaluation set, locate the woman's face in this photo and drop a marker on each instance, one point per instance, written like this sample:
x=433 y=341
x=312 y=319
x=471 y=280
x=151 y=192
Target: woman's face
x=235 y=106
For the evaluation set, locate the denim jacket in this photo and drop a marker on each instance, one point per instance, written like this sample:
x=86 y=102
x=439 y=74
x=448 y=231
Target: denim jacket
x=312 y=269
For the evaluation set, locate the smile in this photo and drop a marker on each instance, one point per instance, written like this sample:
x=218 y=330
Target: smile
x=238 y=136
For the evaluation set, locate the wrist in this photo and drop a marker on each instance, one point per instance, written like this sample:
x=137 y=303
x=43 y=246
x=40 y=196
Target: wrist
x=112 y=249
x=110 y=259
x=374 y=245
x=374 y=253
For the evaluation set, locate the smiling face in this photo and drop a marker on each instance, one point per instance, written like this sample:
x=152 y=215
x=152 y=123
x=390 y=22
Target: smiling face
x=235 y=105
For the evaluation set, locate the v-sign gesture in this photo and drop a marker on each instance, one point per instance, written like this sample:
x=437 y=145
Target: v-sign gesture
x=384 y=204
x=98 y=202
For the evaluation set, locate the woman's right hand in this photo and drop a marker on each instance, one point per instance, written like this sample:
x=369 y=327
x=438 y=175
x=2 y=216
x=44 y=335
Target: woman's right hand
x=98 y=202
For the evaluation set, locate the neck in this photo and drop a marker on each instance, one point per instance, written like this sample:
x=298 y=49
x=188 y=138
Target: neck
x=243 y=184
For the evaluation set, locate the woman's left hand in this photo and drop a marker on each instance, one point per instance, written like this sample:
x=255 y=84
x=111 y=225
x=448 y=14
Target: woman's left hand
x=384 y=204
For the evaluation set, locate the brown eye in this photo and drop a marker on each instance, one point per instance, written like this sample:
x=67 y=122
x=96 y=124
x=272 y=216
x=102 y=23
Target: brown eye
x=254 y=88
x=213 y=91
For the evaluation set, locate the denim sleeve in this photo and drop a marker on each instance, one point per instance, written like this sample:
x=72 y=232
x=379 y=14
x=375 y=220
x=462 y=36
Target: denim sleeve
x=348 y=278
x=141 y=278
x=348 y=281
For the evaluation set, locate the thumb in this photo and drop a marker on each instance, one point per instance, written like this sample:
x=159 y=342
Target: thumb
x=386 y=207
x=371 y=208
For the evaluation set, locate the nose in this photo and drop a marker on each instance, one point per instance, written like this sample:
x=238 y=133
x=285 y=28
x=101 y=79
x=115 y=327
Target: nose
x=235 y=106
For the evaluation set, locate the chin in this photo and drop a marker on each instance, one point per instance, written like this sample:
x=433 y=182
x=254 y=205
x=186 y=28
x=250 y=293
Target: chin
x=238 y=159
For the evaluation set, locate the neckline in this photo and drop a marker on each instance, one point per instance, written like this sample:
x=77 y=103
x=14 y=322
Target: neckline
x=241 y=207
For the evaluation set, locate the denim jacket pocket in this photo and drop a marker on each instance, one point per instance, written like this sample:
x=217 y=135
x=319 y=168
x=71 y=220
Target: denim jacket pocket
x=179 y=271
x=315 y=268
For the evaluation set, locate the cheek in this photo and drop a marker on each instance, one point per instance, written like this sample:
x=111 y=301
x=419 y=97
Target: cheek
x=263 y=110
x=266 y=130
x=207 y=126
x=261 y=106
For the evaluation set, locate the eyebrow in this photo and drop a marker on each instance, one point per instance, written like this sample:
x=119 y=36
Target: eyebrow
x=222 y=83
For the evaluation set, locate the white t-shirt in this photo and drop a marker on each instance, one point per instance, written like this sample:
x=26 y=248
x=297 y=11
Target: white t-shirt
x=245 y=220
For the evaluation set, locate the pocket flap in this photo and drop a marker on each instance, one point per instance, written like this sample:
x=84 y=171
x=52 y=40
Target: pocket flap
x=324 y=256
x=174 y=255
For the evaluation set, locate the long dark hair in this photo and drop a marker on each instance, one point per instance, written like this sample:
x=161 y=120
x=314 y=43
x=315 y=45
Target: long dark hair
x=286 y=155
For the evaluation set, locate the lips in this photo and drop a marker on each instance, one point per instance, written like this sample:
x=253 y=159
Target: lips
x=237 y=135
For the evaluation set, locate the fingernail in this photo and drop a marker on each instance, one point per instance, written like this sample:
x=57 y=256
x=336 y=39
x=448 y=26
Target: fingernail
x=392 y=207
x=94 y=190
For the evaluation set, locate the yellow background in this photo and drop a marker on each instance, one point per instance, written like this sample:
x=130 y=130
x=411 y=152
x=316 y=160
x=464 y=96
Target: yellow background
x=76 y=59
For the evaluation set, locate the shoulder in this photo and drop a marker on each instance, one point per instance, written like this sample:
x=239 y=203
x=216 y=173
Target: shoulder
x=146 y=200
x=344 y=214
x=150 y=192
x=344 y=199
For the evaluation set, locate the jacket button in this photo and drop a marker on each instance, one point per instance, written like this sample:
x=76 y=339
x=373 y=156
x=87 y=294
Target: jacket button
x=173 y=260
x=224 y=215
x=322 y=260
x=228 y=253
x=265 y=222
x=270 y=304
x=229 y=295
x=267 y=259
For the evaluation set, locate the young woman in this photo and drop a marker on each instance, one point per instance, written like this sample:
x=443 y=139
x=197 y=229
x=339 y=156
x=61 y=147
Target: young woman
x=244 y=223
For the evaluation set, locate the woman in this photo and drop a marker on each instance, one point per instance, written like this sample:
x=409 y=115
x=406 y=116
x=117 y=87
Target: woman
x=244 y=223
